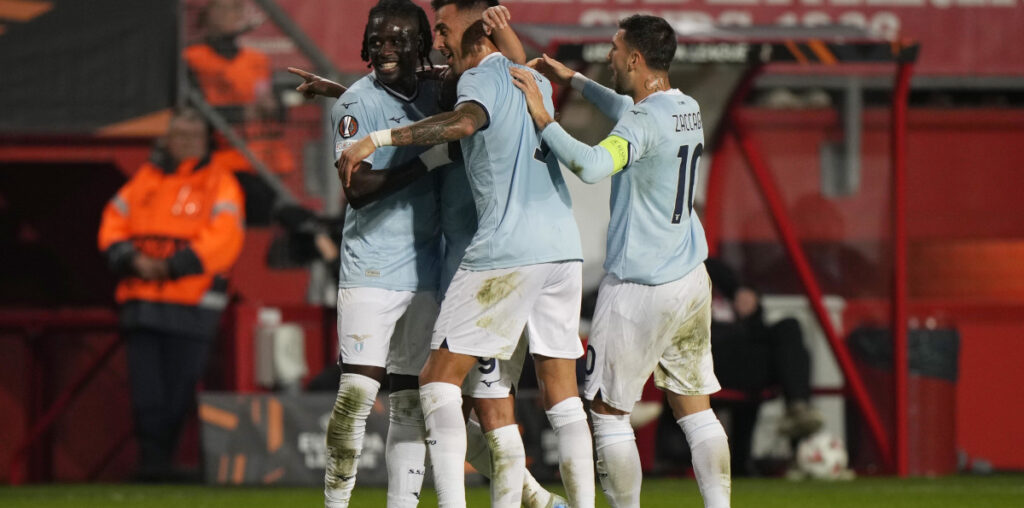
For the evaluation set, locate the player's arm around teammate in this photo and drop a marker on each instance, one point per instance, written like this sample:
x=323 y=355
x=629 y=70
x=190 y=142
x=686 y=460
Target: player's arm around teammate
x=662 y=127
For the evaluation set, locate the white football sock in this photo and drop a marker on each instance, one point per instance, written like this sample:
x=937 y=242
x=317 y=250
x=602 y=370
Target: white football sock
x=479 y=456
x=356 y=394
x=618 y=460
x=534 y=494
x=406 y=449
x=508 y=463
x=446 y=441
x=575 y=451
x=709 y=448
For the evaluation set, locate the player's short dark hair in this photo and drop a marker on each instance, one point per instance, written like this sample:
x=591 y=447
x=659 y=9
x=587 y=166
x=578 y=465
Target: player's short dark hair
x=653 y=37
x=408 y=10
x=462 y=5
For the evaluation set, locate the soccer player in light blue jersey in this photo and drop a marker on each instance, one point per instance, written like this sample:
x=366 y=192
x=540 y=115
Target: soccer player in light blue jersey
x=654 y=305
x=492 y=381
x=390 y=259
x=522 y=265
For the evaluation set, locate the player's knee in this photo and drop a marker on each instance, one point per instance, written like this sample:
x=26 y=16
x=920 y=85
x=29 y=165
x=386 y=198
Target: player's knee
x=598 y=405
x=565 y=412
x=434 y=396
x=399 y=382
x=495 y=413
x=404 y=408
x=373 y=372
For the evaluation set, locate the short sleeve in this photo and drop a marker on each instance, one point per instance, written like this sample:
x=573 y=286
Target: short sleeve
x=479 y=86
x=633 y=127
x=350 y=122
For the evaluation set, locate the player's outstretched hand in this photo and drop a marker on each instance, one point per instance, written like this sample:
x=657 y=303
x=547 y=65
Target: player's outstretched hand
x=352 y=157
x=525 y=81
x=497 y=17
x=552 y=69
x=313 y=85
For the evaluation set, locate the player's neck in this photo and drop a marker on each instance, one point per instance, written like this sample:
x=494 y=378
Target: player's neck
x=482 y=51
x=650 y=83
x=406 y=85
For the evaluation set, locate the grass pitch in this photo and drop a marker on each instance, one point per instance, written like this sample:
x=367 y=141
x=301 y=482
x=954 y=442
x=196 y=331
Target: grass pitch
x=955 y=491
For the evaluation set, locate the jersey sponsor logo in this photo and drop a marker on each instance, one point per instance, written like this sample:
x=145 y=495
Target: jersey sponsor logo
x=348 y=127
x=397 y=119
x=347 y=104
x=637 y=112
x=488 y=383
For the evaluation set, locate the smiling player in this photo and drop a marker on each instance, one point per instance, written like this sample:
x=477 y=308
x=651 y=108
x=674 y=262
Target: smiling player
x=654 y=306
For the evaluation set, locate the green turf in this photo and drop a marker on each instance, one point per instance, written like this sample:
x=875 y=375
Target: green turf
x=956 y=491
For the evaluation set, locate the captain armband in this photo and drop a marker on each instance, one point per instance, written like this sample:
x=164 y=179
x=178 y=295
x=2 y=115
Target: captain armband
x=619 y=150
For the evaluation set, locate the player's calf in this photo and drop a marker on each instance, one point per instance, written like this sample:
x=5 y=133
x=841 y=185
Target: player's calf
x=618 y=461
x=345 y=432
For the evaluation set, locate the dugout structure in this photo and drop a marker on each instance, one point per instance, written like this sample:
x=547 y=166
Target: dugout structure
x=740 y=54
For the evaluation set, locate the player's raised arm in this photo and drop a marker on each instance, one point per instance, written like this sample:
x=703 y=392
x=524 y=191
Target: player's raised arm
x=313 y=85
x=610 y=103
x=590 y=163
x=439 y=129
x=497 y=18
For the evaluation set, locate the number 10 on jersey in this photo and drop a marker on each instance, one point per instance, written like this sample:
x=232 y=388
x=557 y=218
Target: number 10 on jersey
x=684 y=187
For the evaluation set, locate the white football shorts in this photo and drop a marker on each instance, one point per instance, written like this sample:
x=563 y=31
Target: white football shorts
x=492 y=378
x=386 y=328
x=639 y=329
x=484 y=313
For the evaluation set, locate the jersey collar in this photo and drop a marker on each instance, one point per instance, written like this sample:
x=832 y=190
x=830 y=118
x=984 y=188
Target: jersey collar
x=670 y=91
x=496 y=54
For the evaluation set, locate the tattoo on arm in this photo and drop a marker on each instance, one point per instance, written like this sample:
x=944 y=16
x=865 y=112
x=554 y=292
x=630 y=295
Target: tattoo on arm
x=443 y=127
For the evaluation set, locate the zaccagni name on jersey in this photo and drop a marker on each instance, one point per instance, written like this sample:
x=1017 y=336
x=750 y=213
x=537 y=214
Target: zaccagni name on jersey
x=688 y=122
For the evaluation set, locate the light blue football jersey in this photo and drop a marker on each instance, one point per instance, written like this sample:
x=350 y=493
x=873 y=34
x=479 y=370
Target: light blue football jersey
x=392 y=243
x=654 y=236
x=458 y=219
x=524 y=213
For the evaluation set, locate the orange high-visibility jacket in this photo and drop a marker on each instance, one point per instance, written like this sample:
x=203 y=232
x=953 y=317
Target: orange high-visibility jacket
x=192 y=217
x=227 y=82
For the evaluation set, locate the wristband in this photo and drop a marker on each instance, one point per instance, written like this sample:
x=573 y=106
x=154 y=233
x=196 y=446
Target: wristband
x=381 y=138
x=578 y=81
x=435 y=156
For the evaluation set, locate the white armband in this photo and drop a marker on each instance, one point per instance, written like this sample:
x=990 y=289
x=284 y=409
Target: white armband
x=435 y=156
x=381 y=138
x=578 y=81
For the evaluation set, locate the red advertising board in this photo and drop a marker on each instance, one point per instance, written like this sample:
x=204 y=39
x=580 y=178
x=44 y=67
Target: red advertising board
x=958 y=37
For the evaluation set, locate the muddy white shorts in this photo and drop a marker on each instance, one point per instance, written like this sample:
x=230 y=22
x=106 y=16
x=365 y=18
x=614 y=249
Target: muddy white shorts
x=386 y=328
x=484 y=313
x=638 y=329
